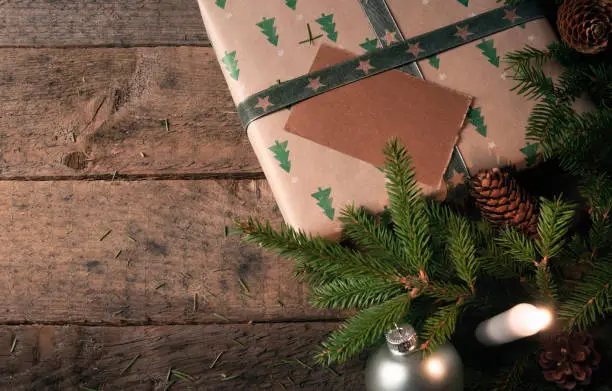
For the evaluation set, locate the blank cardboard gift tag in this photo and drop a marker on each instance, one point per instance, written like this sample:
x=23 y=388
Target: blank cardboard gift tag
x=358 y=119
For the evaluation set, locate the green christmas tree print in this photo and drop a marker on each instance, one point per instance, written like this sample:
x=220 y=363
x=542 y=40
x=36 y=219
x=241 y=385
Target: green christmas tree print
x=221 y=3
x=325 y=201
x=434 y=62
x=464 y=2
x=487 y=48
x=477 y=120
x=531 y=153
x=291 y=4
x=281 y=154
x=269 y=30
x=328 y=25
x=231 y=64
x=369 y=44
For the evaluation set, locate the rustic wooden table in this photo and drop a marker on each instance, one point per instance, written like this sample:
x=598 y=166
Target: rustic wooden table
x=122 y=162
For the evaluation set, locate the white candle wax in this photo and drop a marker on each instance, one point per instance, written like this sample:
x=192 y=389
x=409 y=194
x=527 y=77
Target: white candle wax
x=520 y=321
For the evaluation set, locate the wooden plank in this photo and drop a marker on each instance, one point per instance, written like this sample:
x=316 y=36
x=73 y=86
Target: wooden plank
x=136 y=252
x=80 y=113
x=61 y=23
x=263 y=356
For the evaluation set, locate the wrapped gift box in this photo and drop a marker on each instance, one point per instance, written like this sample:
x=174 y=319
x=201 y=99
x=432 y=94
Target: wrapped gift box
x=263 y=43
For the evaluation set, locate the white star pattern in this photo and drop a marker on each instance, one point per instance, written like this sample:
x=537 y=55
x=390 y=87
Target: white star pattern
x=228 y=15
x=299 y=16
x=491 y=146
x=281 y=52
x=531 y=38
x=294 y=179
x=442 y=76
x=472 y=14
x=503 y=76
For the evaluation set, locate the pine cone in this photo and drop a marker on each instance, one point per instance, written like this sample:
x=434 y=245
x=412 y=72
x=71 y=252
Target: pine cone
x=569 y=360
x=585 y=25
x=503 y=203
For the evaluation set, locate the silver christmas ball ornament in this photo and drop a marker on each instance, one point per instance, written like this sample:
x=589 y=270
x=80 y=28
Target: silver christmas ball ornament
x=399 y=365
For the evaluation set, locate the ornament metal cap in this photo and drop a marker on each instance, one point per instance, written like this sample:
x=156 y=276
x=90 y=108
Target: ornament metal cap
x=402 y=339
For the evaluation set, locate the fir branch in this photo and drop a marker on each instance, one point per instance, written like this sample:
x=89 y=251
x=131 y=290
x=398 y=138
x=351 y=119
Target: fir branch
x=357 y=292
x=370 y=235
x=407 y=206
x=597 y=190
x=447 y=291
x=556 y=217
x=495 y=261
x=532 y=82
x=600 y=86
x=440 y=266
x=546 y=285
x=318 y=260
x=585 y=143
x=462 y=250
x=567 y=56
x=547 y=119
x=574 y=81
x=591 y=299
x=518 y=246
x=363 y=329
x=529 y=56
x=440 y=327
x=600 y=234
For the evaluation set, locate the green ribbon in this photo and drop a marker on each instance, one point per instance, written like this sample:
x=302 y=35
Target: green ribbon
x=382 y=21
x=381 y=60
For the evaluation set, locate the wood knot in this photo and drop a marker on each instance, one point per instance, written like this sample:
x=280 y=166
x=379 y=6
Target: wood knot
x=75 y=160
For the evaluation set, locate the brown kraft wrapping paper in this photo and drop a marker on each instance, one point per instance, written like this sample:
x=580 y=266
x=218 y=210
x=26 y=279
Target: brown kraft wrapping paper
x=258 y=44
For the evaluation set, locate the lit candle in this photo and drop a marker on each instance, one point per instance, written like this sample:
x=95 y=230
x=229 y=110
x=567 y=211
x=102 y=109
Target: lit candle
x=520 y=321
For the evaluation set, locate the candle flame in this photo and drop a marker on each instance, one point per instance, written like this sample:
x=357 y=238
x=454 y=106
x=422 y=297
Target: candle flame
x=530 y=320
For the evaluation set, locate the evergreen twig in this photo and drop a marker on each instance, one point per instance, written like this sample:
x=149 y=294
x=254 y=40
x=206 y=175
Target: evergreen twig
x=363 y=329
x=407 y=206
x=359 y=292
x=439 y=327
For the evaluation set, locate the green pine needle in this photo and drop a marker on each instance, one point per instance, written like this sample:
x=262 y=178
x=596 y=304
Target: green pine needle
x=318 y=260
x=440 y=327
x=518 y=246
x=556 y=217
x=462 y=250
x=591 y=299
x=362 y=330
x=370 y=234
x=407 y=206
x=358 y=292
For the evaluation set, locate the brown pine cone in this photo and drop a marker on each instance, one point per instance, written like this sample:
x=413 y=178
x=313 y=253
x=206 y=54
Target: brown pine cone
x=503 y=203
x=569 y=359
x=585 y=25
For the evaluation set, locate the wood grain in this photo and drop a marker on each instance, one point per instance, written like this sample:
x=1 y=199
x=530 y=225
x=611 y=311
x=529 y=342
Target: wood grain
x=61 y=23
x=110 y=105
x=263 y=356
x=136 y=252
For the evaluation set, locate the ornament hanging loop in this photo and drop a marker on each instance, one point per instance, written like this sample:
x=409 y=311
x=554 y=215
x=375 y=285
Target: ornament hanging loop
x=402 y=339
